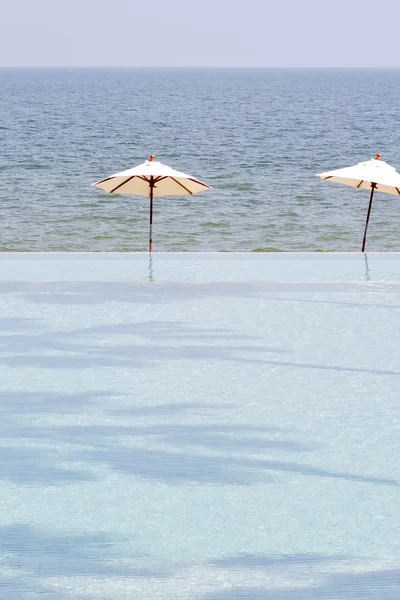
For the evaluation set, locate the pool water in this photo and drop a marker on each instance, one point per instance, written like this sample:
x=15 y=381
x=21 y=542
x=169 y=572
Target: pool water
x=205 y=267
x=168 y=435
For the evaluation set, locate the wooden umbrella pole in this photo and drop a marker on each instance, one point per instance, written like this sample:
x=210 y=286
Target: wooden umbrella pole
x=152 y=184
x=151 y=216
x=373 y=186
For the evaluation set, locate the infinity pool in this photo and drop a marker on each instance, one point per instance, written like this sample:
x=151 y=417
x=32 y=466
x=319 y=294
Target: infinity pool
x=168 y=435
x=206 y=267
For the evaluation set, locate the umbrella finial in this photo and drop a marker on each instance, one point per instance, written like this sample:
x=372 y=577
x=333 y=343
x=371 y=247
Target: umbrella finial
x=378 y=156
x=152 y=157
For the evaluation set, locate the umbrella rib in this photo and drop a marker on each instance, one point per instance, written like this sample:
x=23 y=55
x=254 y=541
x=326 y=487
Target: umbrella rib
x=181 y=184
x=205 y=186
x=398 y=191
x=360 y=184
x=121 y=184
x=104 y=180
x=199 y=183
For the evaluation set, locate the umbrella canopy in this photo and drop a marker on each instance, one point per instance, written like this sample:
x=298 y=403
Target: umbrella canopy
x=374 y=174
x=152 y=179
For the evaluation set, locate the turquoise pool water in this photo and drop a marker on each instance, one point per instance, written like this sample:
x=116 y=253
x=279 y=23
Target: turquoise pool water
x=210 y=439
x=180 y=267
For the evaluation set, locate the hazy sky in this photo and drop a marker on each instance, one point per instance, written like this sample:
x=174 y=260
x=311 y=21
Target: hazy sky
x=259 y=33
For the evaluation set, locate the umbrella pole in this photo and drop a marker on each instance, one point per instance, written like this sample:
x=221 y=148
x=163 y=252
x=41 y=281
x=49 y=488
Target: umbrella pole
x=373 y=186
x=151 y=215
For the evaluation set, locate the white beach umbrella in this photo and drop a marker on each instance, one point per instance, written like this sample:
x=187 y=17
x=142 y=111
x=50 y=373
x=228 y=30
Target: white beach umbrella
x=152 y=179
x=374 y=174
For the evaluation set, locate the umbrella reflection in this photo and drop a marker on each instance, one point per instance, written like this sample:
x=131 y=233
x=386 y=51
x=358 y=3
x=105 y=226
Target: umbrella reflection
x=151 y=277
x=367 y=276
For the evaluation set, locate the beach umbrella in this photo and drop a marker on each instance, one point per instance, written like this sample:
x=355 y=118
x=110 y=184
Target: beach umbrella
x=373 y=175
x=152 y=179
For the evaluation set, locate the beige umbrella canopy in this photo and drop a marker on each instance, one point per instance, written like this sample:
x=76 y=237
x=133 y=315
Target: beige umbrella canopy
x=152 y=179
x=374 y=174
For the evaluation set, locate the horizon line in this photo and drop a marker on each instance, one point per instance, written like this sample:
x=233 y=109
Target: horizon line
x=216 y=67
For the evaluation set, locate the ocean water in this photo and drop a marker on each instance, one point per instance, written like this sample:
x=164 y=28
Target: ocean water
x=257 y=136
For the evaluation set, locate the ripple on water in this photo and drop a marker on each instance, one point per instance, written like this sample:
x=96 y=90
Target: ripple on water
x=212 y=224
x=267 y=249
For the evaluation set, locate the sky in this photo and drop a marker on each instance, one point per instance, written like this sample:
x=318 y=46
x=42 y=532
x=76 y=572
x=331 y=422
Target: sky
x=202 y=33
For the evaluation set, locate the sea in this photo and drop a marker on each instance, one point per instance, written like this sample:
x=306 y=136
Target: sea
x=257 y=136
